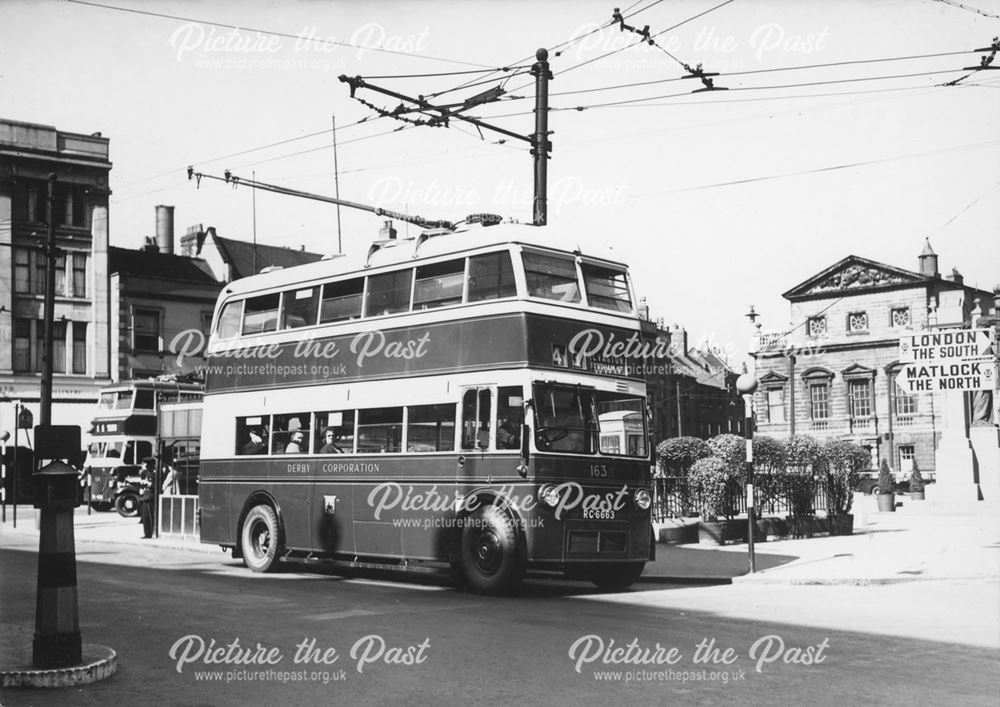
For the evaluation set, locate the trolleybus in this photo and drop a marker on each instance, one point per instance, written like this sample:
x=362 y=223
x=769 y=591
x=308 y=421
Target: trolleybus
x=472 y=399
x=123 y=433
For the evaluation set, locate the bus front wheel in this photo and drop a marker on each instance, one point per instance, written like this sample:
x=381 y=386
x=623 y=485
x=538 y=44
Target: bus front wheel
x=491 y=553
x=260 y=539
x=127 y=504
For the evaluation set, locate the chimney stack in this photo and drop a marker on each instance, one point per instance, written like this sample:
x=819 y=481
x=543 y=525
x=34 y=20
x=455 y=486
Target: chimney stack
x=165 y=228
x=679 y=340
x=956 y=277
x=928 y=260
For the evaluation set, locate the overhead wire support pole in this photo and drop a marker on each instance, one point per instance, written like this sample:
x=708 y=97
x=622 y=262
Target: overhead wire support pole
x=230 y=178
x=445 y=113
x=440 y=115
x=540 y=145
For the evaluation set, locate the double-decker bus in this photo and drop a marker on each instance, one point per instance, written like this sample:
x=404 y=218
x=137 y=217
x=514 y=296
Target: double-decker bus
x=123 y=432
x=467 y=398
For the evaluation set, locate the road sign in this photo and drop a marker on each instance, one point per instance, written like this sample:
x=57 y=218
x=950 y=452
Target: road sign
x=956 y=375
x=946 y=346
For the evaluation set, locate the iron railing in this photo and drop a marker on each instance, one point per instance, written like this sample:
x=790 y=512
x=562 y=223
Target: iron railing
x=774 y=495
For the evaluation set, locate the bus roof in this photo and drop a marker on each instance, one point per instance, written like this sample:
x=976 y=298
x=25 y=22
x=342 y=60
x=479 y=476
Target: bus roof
x=152 y=383
x=428 y=244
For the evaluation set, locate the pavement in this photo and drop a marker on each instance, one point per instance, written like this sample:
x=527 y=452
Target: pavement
x=921 y=541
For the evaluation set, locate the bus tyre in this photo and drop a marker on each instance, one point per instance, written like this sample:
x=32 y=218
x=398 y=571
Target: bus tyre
x=617 y=577
x=491 y=552
x=261 y=539
x=127 y=505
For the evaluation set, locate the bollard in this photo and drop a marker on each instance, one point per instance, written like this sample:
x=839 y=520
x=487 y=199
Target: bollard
x=57 y=642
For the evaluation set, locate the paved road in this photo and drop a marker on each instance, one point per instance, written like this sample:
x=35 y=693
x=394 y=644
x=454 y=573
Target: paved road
x=426 y=643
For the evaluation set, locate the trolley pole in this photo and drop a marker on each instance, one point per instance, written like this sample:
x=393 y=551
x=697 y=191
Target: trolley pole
x=540 y=145
x=746 y=385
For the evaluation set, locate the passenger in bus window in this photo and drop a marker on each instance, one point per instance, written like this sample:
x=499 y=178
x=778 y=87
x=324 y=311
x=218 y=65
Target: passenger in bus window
x=330 y=442
x=256 y=444
x=295 y=446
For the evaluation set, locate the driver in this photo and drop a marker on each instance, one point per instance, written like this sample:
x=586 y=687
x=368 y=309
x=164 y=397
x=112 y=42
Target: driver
x=508 y=435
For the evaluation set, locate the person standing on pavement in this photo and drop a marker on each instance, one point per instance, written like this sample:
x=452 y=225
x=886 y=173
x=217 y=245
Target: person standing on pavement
x=146 y=511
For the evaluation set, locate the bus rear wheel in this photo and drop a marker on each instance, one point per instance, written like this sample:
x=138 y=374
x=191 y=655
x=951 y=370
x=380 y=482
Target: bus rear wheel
x=491 y=552
x=261 y=539
x=617 y=577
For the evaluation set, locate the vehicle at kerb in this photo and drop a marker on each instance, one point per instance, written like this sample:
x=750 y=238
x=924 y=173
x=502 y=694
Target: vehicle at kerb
x=467 y=399
x=123 y=432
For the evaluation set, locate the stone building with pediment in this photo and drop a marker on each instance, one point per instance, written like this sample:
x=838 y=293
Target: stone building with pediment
x=831 y=373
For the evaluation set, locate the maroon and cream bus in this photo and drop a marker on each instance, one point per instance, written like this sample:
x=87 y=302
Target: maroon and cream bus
x=437 y=401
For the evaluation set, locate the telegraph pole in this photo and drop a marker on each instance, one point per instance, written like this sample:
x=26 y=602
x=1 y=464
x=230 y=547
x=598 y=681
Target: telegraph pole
x=49 y=311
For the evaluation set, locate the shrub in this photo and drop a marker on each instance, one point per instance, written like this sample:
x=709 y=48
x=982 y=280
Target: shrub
x=676 y=455
x=886 y=484
x=709 y=478
x=769 y=456
x=769 y=462
x=916 y=479
x=802 y=452
x=843 y=460
x=732 y=450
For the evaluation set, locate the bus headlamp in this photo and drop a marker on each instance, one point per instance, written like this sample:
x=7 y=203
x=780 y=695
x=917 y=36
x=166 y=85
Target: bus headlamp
x=643 y=499
x=548 y=496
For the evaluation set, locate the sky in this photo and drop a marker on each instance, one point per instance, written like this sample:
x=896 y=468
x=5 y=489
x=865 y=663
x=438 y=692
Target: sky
x=836 y=136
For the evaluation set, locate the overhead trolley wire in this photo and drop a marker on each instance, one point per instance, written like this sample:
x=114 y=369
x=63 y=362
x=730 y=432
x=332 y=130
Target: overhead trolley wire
x=555 y=50
x=366 y=119
x=820 y=170
x=286 y=35
x=754 y=88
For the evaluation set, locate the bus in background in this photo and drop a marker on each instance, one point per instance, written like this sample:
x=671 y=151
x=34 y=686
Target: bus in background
x=179 y=446
x=470 y=399
x=123 y=433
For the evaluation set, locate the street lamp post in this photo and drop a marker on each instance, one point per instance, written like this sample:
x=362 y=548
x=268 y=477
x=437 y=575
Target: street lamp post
x=746 y=385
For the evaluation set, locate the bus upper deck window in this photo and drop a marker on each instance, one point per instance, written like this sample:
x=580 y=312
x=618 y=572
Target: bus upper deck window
x=491 y=276
x=260 y=314
x=229 y=320
x=388 y=293
x=606 y=288
x=551 y=277
x=439 y=284
x=299 y=308
x=145 y=399
x=341 y=300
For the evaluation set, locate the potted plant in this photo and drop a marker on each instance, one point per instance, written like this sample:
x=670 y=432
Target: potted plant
x=844 y=460
x=710 y=478
x=886 y=496
x=916 y=484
